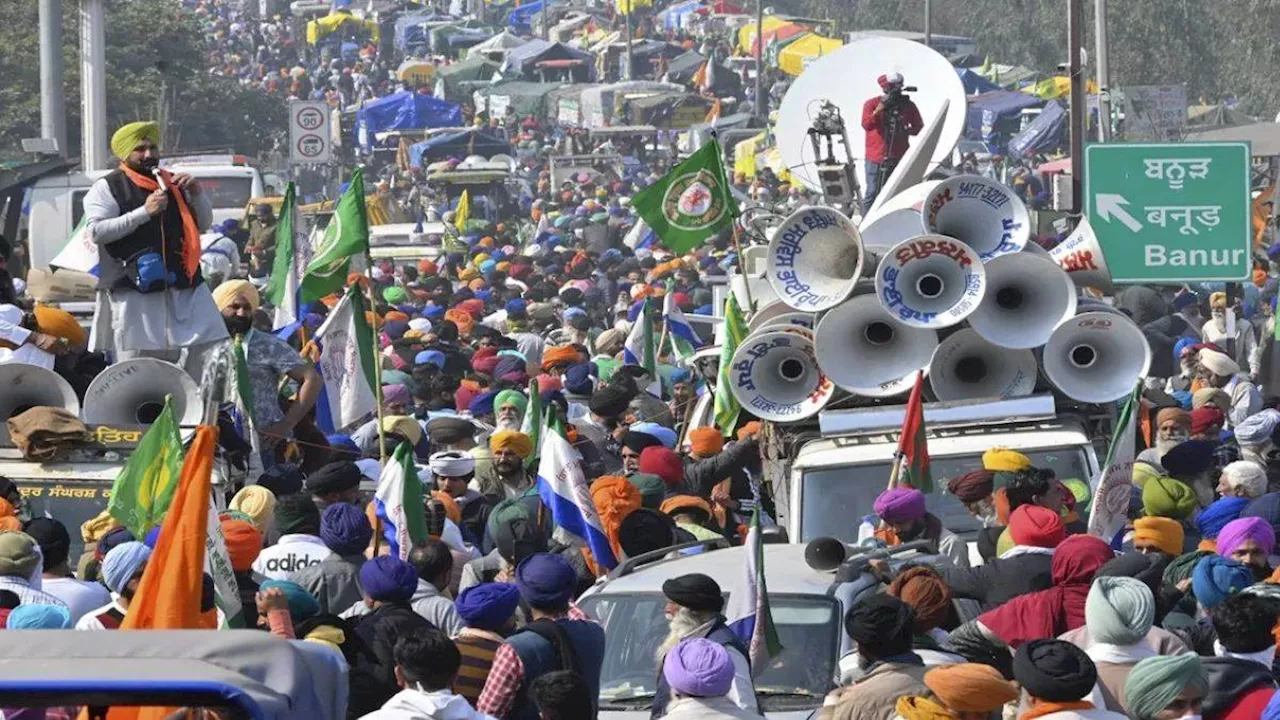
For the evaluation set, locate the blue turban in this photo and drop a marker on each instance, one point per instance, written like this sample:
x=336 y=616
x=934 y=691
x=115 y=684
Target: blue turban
x=577 y=379
x=507 y=365
x=1188 y=458
x=546 y=580
x=482 y=404
x=487 y=266
x=345 y=529
x=395 y=329
x=681 y=375
x=1216 y=578
x=302 y=604
x=1182 y=344
x=488 y=606
x=516 y=306
x=574 y=311
x=1222 y=511
x=388 y=579
x=122 y=563
x=406 y=308
x=152 y=537
x=433 y=312
x=484 y=295
x=1273 y=251
x=1180 y=301
x=343 y=442
x=430 y=357
x=665 y=435
x=114 y=537
x=35 y=616
x=1183 y=397
x=550 y=396
x=708 y=310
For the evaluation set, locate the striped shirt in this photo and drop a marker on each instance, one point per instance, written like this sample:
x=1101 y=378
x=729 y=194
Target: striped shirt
x=27 y=594
x=478 y=648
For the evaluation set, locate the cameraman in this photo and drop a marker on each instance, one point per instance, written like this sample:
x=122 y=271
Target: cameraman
x=888 y=120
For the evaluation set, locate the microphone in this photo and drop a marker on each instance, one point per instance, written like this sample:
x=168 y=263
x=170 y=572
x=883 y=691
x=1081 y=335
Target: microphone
x=160 y=178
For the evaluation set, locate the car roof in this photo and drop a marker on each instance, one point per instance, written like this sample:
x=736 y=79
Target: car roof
x=785 y=572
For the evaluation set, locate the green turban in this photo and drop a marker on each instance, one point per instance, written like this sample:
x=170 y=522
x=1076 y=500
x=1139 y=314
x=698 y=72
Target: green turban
x=1156 y=681
x=128 y=137
x=511 y=397
x=394 y=295
x=507 y=511
x=1119 y=610
x=1166 y=497
x=652 y=489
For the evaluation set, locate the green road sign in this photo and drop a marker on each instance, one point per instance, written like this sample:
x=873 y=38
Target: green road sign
x=1171 y=212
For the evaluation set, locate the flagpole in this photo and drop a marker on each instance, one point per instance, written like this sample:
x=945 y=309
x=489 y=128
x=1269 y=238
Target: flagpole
x=737 y=246
x=377 y=364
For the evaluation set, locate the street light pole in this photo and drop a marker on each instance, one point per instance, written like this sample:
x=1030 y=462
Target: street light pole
x=1104 y=71
x=53 y=110
x=1075 y=32
x=762 y=107
x=928 y=23
x=93 y=85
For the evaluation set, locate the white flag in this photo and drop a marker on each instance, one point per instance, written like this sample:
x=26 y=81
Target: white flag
x=346 y=361
x=1112 y=487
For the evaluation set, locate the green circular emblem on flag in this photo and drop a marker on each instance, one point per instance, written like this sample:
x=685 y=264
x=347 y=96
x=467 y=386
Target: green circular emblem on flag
x=322 y=265
x=694 y=201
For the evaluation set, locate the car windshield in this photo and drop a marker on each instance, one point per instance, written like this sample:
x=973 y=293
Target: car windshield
x=227 y=192
x=846 y=493
x=635 y=626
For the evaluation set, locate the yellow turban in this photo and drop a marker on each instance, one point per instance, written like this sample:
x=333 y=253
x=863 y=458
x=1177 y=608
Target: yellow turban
x=231 y=290
x=512 y=440
x=258 y=503
x=128 y=137
x=1142 y=472
x=1218 y=300
x=1163 y=532
x=404 y=426
x=999 y=459
x=60 y=323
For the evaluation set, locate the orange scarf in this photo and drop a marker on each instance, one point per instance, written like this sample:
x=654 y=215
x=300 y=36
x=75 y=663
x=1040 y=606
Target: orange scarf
x=1043 y=707
x=190 y=232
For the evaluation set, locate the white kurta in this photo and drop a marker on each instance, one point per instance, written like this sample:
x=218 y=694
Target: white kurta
x=11 y=331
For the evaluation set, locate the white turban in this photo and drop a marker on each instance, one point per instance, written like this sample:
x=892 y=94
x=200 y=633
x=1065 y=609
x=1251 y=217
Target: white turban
x=1218 y=363
x=452 y=463
x=1246 y=475
x=422 y=325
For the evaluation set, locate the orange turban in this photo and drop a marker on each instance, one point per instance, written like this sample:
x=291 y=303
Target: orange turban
x=706 y=441
x=477 y=284
x=6 y=508
x=451 y=509
x=676 y=503
x=558 y=355
x=244 y=542
x=426 y=267
x=615 y=498
x=10 y=523
x=923 y=588
x=970 y=687
x=512 y=440
x=1165 y=533
x=372 y=318
x=750 y=428
x=462 y=319
x=354 y=278
x=395 y=315
x=60 y=323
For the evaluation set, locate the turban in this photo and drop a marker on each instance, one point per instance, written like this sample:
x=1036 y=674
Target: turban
x=258 y=503
x=882 y=624
x=1170 y=414
x=698 y=667
x=546 y=580
x=646 y=530
x=511 y=397
x=665 y=435
x=706 y=441
x=1183 y=567
x=232 y=290
x=578 y=380
x=1003 y=459
x=652 y=489
x=923 y=589
x=1257 y=428
x=1218 y=363
x=345 y=529
x=1165 y=533
x=1154 y=682
x=1036 y=526
x=53 y=539
x=286 y=478
x=388 y=579
x=1054 y=670
x=452 y=464
x=610 y=342
x=397 y=394
x=297 y=514
x=1218 y=301
x=1143 y=472
x=510 y=367
x=333 y=478
x=609 y=401
x=130 y=136
x=615 y=498
x=488 y=606
x=1203 y=418
x=1189 y=458
x=639 y=442
x=512 y=440
x=109 y=540
x=1166 y=497
x=684 y=503
x=18 y=554
x=59 y=323
x=122 y=563
x=430 y=357
x=1210 y=397
x=900 y=505
x=695 y=591
x=244 y=542
x=302 y=604
x=1216 y=578
x=449 y=430
x=559 y=355
x=404 y=426
x=664 y=463
x=1119 y=610
x=1236 y=532
x=397 y=316
x=422 y=325
x=36 y=616
x=972 y=486
x=394 y=295
x=1248 y=476
x=970 y=687
x=485 y=361
x=1212 y=519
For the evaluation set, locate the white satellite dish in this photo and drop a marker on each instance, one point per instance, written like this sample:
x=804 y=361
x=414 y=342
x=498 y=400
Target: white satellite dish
x=847 y=78
x=908 y=198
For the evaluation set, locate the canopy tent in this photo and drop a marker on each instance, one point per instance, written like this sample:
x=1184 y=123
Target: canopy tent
x=648 y=51
x=404 y=111
x=721 y=7
x=792 y=58
x=412 y=29
x=413 y=70
x=449 y=38
x=989 y=115
x=521 y=18
x=1210 y=117
x=344 y=23
x=975 y=83
x=523 y=98
x=683 y=67
x=497 y=46
x=747 y=32
x=460 y=144
x=1061 y=165
x=1046 y=133
x=780 y=36
x=1263 y=137
x=672 y=17
x=1057 y=86
x=521 y=60
x=598 y=103
x=1008 y=76
x=668 y=109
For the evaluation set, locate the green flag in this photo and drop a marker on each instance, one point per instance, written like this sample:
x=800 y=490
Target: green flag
x=346 y=236
x=735 y=329
x=283 y=290
x=689 y=204
x=532 y=423
x=144 y=488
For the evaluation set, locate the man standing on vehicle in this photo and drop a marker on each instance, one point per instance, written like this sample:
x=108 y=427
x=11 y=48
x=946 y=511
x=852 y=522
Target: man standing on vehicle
x=152 y=300
x=888 y=119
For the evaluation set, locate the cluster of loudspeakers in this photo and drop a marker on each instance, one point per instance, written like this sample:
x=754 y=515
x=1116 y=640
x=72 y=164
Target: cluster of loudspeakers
x=125 y=394
x=949 y=283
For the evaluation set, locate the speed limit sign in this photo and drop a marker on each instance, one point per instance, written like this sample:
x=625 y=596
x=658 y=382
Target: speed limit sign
x=310 y=137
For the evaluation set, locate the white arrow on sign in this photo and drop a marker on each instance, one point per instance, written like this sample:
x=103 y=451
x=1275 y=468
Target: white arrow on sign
x=1110 y=205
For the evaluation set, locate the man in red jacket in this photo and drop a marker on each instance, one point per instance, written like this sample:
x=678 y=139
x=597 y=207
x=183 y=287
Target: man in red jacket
x=888 y=120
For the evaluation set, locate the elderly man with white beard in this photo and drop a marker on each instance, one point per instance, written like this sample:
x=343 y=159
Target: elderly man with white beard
x=1173 y=427
x=694 y=606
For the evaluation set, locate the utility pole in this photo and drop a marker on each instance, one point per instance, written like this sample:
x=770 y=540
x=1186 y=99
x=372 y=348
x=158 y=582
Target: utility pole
x=626 y=61
x=1104 y=71
x=928 y=23
x=1075 y=40
x=762 y=107
x=93 y=85
x=53 y=110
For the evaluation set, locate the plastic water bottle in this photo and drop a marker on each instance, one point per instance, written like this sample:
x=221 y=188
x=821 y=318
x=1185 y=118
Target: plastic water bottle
x=866 y=530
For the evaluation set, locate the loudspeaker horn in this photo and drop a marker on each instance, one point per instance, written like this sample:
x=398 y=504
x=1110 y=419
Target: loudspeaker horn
x=24 y=386
x=133 y=392
x=967 y=367
x=1027 y=297
x=867 y=351
x=788 y=320
x=890 y=228
x=1081 y=256
x=931 y=281
x=775 y=376
x=814 y=259
x=980 y=213
x=1096 y=357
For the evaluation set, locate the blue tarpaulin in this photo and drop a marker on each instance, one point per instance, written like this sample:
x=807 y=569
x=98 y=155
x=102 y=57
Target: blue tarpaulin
x=521 y=17
x=988 y=110
x=526 y=56
x=974 y=83
x=404 y=111
x=471 y=141
x=674 y=14
x=1047 y=132
x=412 y=29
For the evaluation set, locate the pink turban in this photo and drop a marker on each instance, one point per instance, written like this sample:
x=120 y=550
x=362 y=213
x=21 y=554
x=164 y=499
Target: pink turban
x=900 y=505
x=1250 y=528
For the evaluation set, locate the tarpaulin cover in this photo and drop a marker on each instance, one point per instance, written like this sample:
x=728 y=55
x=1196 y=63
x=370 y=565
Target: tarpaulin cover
x=987 y=109
x=791 y=58
x=780 y=35
x=503 y=42
x=975 y=83
x=321 y=27
x=1047 y=132
x=673 y=14
x=472 y=141
x=521 y=17
x=682 y=68
x=535 y=51
x=404 y=111
x=411 y=29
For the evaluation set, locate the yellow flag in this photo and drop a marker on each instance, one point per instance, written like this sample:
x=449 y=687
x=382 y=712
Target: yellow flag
x=463 y=212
